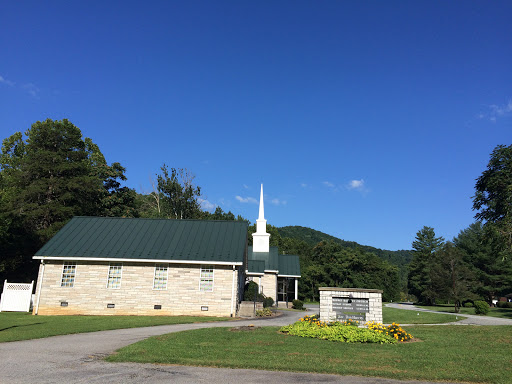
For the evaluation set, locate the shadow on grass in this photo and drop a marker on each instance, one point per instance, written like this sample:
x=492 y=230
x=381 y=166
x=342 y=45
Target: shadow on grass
x=505 y=313
x=17 y=326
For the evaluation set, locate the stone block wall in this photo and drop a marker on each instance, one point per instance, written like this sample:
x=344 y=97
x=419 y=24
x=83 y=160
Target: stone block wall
x=136 y=296
x=269 y=284
x=247 y=308
x=374 y=297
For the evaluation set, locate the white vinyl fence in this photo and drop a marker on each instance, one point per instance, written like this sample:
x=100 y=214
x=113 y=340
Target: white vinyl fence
x=16 y=297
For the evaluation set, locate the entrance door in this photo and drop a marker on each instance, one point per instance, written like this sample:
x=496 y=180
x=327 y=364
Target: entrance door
x=282 y=289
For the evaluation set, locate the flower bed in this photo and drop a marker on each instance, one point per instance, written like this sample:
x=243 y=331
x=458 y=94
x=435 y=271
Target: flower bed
x=347 y=332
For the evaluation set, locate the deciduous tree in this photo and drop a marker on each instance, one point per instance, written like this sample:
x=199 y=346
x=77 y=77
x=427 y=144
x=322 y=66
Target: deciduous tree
x=179 y=197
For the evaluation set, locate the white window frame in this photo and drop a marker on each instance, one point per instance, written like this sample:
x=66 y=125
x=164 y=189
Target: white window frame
x=165 y=277
x=202 y=279
x=113 y=276
x=69 y=275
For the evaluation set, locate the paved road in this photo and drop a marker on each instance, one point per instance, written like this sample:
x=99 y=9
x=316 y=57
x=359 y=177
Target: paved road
x=465 y=319
x=78 y=359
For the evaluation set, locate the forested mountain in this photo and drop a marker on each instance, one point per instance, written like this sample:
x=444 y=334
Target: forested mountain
x=311 y=236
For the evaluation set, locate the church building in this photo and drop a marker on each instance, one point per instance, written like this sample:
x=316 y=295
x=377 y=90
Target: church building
x=277 y=275
x=129 y=266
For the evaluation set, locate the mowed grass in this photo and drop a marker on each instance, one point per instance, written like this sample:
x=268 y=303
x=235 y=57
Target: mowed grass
x=450 y=353
x=23 y=326
x=403 y=316
x=505 y=313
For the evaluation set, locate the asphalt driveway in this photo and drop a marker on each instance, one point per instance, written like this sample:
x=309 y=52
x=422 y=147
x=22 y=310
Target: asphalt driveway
x=464 y=319
x=79 y=359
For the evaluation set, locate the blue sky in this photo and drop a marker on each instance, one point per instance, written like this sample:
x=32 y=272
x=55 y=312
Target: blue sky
x=366 y=120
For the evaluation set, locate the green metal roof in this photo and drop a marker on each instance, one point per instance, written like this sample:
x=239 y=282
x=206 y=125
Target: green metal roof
x=285 y=265
x=270 y=258
x=149 y=239
x=256 y=267
x=289 y=265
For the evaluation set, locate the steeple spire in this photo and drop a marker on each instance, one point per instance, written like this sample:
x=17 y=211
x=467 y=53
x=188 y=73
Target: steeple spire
x=262 y=213
x=261 y=239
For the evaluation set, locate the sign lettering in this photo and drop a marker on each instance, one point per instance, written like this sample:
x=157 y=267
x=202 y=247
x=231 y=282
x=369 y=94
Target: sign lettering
x=346 y=306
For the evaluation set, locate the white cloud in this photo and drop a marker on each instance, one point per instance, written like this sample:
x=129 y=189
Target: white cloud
x=246 y=186
x=3 y=80
x=278 y=202
x=328 y=184
x=251 y=200
x=303 y=185
x=496 y=111
x=356 y=184
x=206 y=205
x=500 y=110
x=31 y=89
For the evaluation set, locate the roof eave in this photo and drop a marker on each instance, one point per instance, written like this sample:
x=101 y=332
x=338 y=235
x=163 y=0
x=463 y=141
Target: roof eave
x=254 y=273
x=118 y=259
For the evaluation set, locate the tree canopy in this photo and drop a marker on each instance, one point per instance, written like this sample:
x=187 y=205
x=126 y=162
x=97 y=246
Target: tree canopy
x=493 y=200
x=493 y=189
x=47 y=178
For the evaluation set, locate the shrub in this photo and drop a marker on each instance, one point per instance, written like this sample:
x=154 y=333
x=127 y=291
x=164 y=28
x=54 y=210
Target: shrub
x=350 y=323
x=263 y=312
x=394 y=330
x=504 y=304
x=297 y=304
x=251 y=289
x=336 y=331
x=481 y=307
x=268 y=302
x=398 y=332
x=311 y=319
x=468 y=304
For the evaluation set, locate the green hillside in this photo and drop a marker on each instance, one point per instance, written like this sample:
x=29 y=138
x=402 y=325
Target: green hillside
x=312 y=237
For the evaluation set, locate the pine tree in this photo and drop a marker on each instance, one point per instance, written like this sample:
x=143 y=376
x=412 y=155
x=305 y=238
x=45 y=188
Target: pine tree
x=421 y=270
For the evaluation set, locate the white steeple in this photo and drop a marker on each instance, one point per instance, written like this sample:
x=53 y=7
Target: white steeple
x=261 y=239
x=262 y=210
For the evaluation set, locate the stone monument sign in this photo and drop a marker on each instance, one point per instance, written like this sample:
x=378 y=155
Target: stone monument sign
x=341 y=304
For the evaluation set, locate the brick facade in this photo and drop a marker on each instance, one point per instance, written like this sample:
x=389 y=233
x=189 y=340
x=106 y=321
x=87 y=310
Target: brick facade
x=136 y=296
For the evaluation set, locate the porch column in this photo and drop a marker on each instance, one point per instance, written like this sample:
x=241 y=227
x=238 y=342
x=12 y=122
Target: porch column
x=296 y=289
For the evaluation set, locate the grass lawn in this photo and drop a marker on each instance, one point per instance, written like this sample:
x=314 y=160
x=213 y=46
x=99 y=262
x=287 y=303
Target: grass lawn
x=23 y=326
x=403 y=316
x=449 y=353
x=505 y=313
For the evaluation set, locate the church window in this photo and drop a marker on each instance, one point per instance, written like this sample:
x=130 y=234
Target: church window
x=68 y=275
x=114 y=275
x=160 y=279
x=206 y=279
